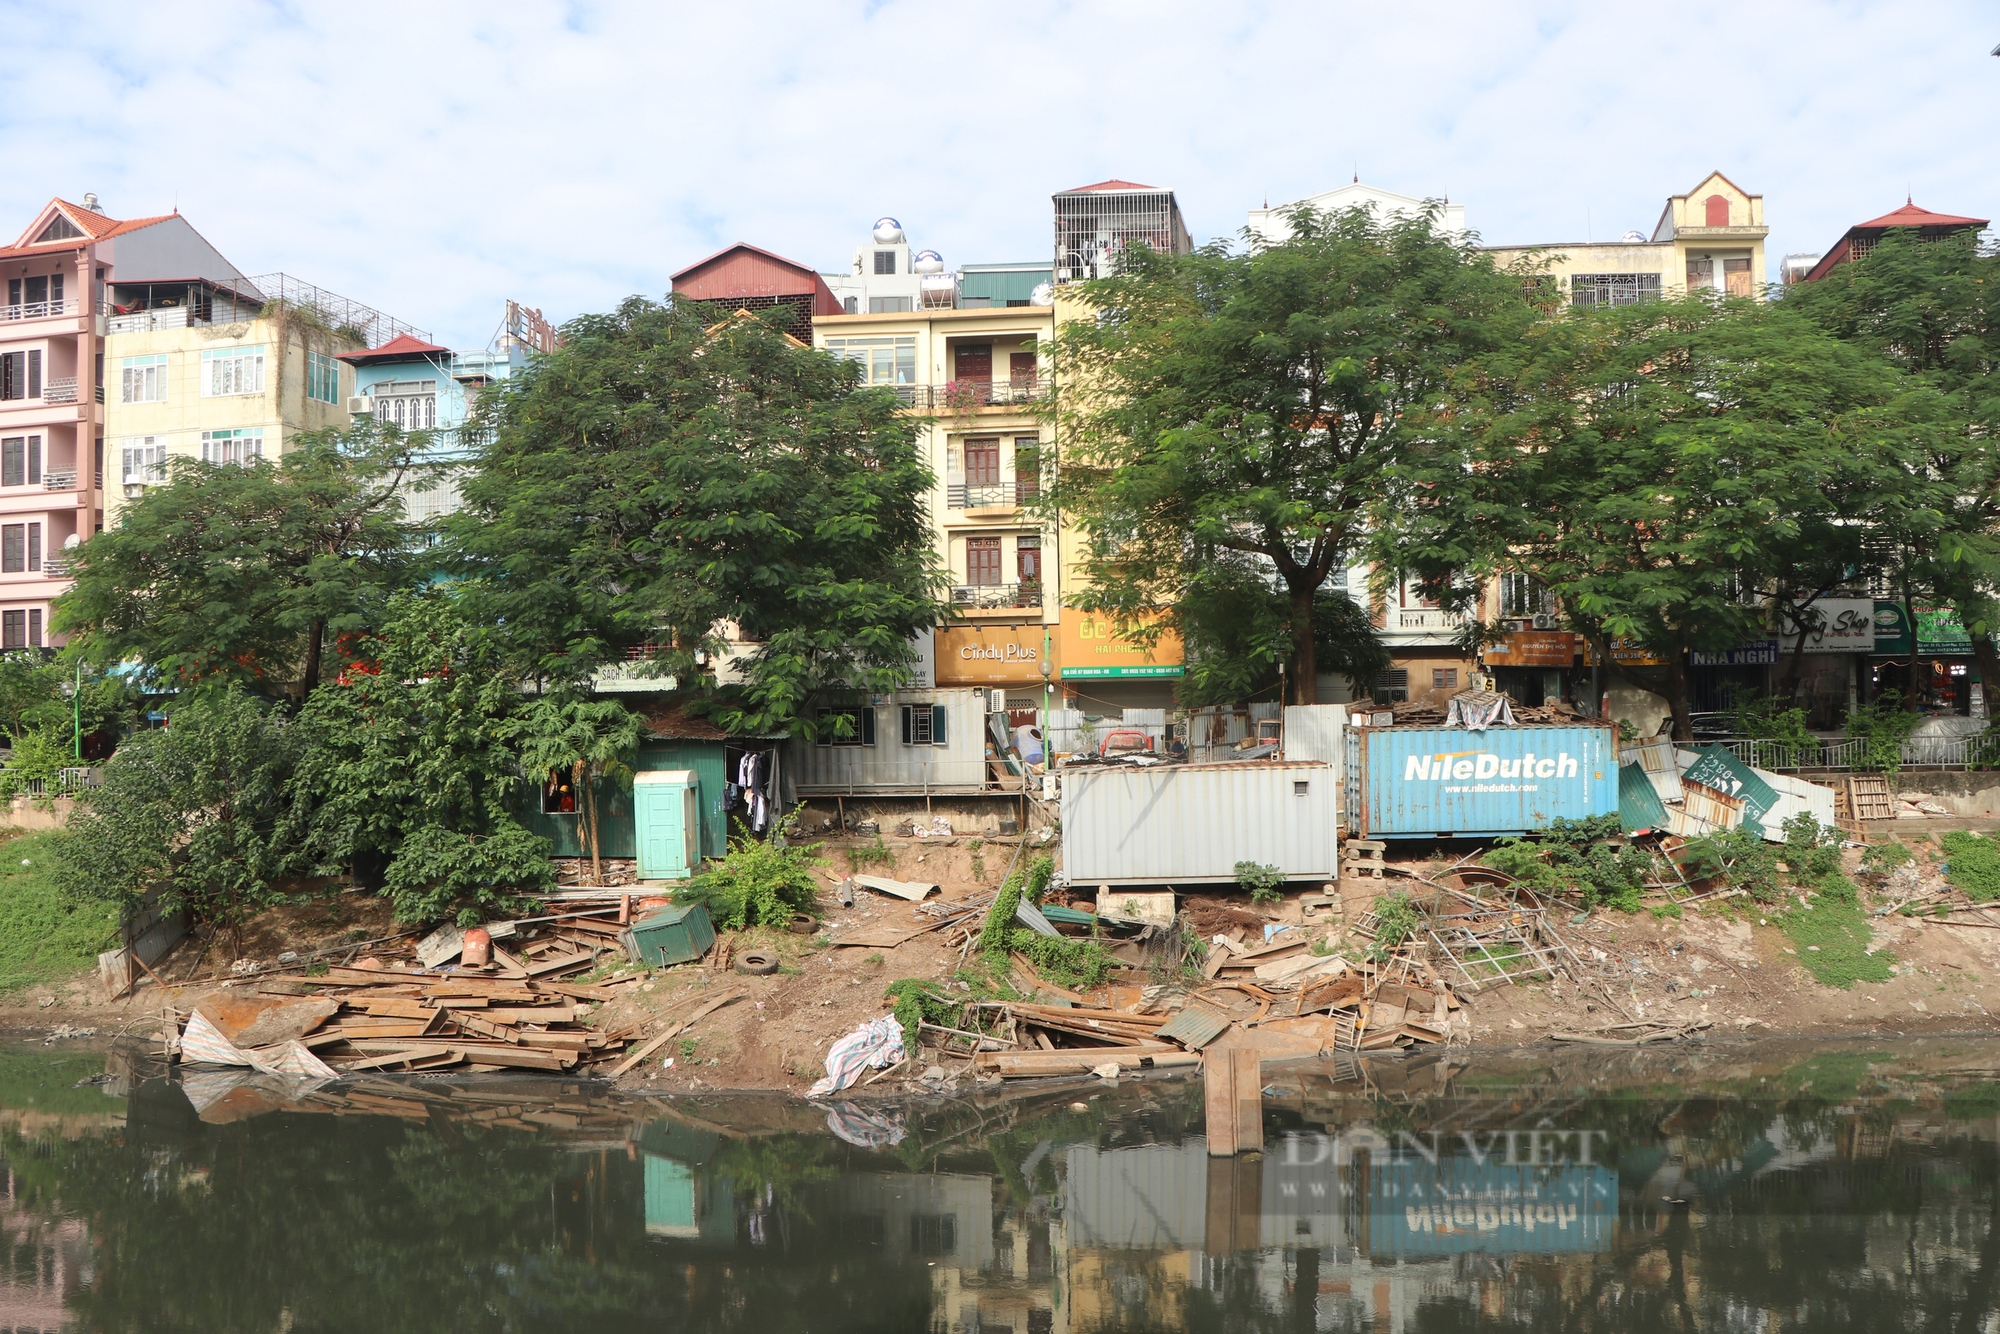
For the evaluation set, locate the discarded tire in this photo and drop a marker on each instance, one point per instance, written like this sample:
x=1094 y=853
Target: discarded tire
x=802 y=925
x=757 y=963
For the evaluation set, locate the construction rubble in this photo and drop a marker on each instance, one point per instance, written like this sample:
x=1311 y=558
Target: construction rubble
x=502 y=997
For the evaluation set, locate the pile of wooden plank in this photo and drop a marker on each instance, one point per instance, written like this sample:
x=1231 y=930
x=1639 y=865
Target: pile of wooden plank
x=523 y=1011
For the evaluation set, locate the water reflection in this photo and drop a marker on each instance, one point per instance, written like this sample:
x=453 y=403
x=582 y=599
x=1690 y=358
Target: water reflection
x=1769 y=1188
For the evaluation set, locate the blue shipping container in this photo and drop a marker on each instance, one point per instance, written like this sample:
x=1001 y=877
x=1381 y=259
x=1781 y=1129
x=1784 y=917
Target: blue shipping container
x=1432 y=782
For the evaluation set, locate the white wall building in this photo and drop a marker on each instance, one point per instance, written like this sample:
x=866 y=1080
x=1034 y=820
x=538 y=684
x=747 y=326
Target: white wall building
x=1269 y=223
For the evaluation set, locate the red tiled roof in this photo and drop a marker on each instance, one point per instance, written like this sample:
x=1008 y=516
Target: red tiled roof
x=1111 y=185
x=95 y=227
x=403 y=347
x=1910 y=215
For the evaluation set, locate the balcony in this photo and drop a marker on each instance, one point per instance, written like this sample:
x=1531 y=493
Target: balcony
x=990 y=496
x=55 y=567
x=967 y=395
x=1427 y=618
x=59 y=481
x=974 y=597
x=61 y=390
x=40 y=310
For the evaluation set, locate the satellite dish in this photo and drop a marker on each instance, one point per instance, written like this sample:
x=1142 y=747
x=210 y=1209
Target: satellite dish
x=1043 y=295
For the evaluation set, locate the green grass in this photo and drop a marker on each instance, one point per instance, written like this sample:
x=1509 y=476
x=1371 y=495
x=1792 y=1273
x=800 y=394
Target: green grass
x=45 y=934
x=1840 y=930
x=1974 y=865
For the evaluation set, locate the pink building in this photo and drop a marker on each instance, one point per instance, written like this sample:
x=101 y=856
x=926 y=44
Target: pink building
x=58 y=296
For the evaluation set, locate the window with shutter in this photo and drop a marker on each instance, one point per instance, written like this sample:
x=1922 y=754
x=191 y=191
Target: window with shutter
x=13 y=548
x=982 y=462
x=13 y=629
x=982 y=560
x=34 y=627
x=34 y=460
x=14 y=461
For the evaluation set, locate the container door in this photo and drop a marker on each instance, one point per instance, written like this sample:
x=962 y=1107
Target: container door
x=1351 y=784
x=652 y=817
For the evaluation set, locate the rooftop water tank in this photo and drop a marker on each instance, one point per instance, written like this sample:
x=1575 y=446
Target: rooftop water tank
x=927 y=261
x=888 y=231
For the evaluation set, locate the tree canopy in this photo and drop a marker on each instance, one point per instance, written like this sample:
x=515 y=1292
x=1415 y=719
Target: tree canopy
x=239 y=574
x=1252 y=402
x=660 y=478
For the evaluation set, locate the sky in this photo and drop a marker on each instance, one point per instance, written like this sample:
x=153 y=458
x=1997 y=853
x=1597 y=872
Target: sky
x=434 y=159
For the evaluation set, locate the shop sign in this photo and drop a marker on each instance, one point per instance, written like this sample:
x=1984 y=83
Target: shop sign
x=1847 y=625
x=1092 y=649
x=1748 y=655
x=1938 y=630
x=1626 y=653
x=1533 y=648
x=977 y=655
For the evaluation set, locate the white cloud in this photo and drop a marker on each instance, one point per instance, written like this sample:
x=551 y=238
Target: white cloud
x=434 y=159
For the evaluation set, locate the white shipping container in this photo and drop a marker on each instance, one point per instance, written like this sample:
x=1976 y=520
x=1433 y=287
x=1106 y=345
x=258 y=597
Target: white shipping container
x=1176 y=824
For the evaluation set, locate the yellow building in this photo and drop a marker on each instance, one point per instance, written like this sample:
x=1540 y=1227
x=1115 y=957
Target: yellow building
x=978 y=379
x=226 y=373
x=1709 y=239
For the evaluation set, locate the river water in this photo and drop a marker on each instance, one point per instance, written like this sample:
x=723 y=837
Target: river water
x=1726 y=1188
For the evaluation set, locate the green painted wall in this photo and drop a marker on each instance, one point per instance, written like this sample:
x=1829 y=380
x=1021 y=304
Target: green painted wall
x=616 y=831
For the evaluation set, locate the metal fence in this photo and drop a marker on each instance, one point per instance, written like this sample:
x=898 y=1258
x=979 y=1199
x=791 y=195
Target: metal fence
x=66 y=783
x=1978 y=751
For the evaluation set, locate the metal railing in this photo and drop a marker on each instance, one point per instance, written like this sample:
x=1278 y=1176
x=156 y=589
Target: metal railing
x=995 y=495
x=66 y=783
x=148 y=321
x=1978 y=751
x=59 y=481
x=996 y=595
x=968 y=394
x=60 y=390
x=55 y=567
x=40 y=310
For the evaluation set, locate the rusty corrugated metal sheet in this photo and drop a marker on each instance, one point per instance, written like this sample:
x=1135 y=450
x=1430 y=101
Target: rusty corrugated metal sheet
x=746 y=271
x=1191 y=824
x=1416 y=781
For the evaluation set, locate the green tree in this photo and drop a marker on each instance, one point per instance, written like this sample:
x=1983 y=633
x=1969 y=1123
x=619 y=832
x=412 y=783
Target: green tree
x=404 y=763
x=197 y=810
x=587 y=739
x=660 y=478
x=1252 y=402
x=1931 y=307
x=238 y=575
x=1235 y=622
x=1653 y=464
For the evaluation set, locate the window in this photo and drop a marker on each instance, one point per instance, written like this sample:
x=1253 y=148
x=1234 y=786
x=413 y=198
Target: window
x=1028 y=557
x=232 y=370
x=21 y=629
x=21 y=374
x=13 y=548
x=60 y=228
x=143 y=380
x=1522 y=595
x=145 y=460
x=36 y=296
x=322 y=378
x=1392 y=686
x=890 y=360
x=888 y=305
x=238 y=446
x=933 y=1235
x=982 y=462
x=853 y=305
x=846 y=727
x=1701 y=273
x=34 y=546
x=885 y=261
x=1027 y=466
x=1717 y=209
x=1444 y=678
x=1613 y=289
x=409 y=405
x=974 y=361
x=21 y=461
x=924 y=724
x=982 y=560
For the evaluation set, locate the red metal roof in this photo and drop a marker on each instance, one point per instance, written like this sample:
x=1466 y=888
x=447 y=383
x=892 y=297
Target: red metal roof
x=1110 y=185
x=1909 y=215
x=402 y=347
x=745 y=270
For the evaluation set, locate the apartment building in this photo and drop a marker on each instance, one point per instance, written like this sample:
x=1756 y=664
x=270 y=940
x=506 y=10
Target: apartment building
x=225 y=369
x=63 y=273
x=976 y=377
x=1709 y=239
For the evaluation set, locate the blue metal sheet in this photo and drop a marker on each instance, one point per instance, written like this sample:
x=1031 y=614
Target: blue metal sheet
x=1415 y=782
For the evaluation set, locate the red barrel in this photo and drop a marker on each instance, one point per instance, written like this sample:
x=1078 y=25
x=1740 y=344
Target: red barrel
x=478 y=950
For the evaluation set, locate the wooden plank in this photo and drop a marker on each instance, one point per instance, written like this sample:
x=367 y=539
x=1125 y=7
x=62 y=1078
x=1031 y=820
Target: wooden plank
x=392 y=1006
x=531 y=1014
x=1218 y=1102
x=561 y=964
x=1080 y=1061
x=494 y=991
x=881 y=936
x=903 y=889
x=579 y=993
x=1247 y=1075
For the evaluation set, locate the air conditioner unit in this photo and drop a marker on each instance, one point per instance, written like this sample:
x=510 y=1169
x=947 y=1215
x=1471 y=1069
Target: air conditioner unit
x=360 y=405
x=1545 y=622
x=1520 y=623
x=996 y=701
